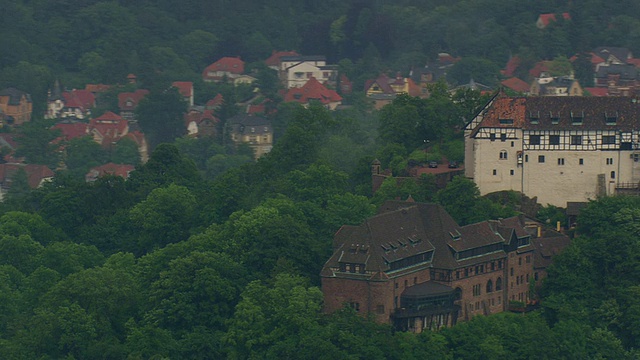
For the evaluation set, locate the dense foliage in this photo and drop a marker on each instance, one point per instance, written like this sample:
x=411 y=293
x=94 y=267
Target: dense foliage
x=204 y=253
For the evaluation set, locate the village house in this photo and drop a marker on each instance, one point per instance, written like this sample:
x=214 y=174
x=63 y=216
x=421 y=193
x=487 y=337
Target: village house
x=128 y=102
x=74 y=104
x=295 y=71
x=558 y=149
x=185 y=88
x=314 y=91
x=15 y=106
x=383 y=90
x=555 y=86
x=253 y=130
x=37 y=175
x=414 y=267
x=201 y=122
x=225 y=69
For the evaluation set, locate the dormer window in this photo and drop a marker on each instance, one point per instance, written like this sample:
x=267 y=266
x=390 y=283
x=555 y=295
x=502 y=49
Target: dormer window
x=506 y=121
x=534 y=117
x=611 y=118
x=555 y=118
x=576 y=117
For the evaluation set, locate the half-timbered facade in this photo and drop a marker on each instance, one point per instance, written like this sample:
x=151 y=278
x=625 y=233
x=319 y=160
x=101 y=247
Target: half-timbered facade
x=558 y=149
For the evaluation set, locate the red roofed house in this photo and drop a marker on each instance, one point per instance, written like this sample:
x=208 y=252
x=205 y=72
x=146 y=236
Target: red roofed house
x=311 y=91
x=37 y=175
x=108 y=128
x=545 y=19
x=384 y=89
x=186 y=90
x=121 y=170
x=225 y=68
x=128 y=101
x=516 y=84
x=201 y=124
x=75 y=104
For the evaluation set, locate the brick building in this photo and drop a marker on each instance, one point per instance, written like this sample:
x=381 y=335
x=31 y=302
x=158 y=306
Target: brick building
x=413 y=266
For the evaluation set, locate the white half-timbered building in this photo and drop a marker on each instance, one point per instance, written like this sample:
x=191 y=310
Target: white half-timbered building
x=558 y=149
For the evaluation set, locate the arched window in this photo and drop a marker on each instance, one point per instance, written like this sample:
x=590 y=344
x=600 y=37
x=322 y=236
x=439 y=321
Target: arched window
x=489 y=286
x=498 y=284
x=503 y=155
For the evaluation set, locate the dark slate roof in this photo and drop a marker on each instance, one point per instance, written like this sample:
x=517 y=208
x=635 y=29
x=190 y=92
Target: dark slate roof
x=619 y=52
x=548 y=246
x=403 y=229
x=626 y=71
x=249 y=120
x=15 y=95
x=426 y=289
x=303 y=58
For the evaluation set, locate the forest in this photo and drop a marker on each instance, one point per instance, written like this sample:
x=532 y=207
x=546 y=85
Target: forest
x=203 y=253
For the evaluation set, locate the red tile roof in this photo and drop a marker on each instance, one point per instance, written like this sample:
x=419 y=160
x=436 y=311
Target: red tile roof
x=595 y=59
x=82 y=99
x=511 y=67
x=545 y=19
x=597 y=91
x=312 y=90
x=35 y=173
x=634 y=62
x=539 y=68
x=96 y=88
x=231 y=65
x=215 y=102
x=109 y=126
x=128 y=101
x=184 y=87
x=274 y=59
x=516 y=84
x=121 y=170
x=72 y=130
x=199 y=117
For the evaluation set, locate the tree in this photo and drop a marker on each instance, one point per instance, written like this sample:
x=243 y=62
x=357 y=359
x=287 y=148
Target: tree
x=35 y=143
x=82 y=154
x=160 y=115
x=125 y=152
x=165 y=216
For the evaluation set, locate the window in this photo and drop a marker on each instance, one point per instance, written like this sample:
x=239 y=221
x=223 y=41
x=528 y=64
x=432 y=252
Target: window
x=608 y=139
x=554 y=139
x=534 y=139
x=492 y=137
x=503 y=137
x=309 y=75
x=489 y=286
x=476 y=290
x=576 y=139
x=406 y=283
x=503 y=155
x=495 y=172
x=506 y=121
x=528 y=259
x=613 y=174
x=540 y=158
x=517 y=280
x=527 y=277
x=609 y=161
x=511 y=172
x=560 y=161
x=511 y=271
x=355 y=306
x=581 y=161
x=576 y=117
x=498 y=284
x=513 y=144
x=526 y=158
x=380 y=309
